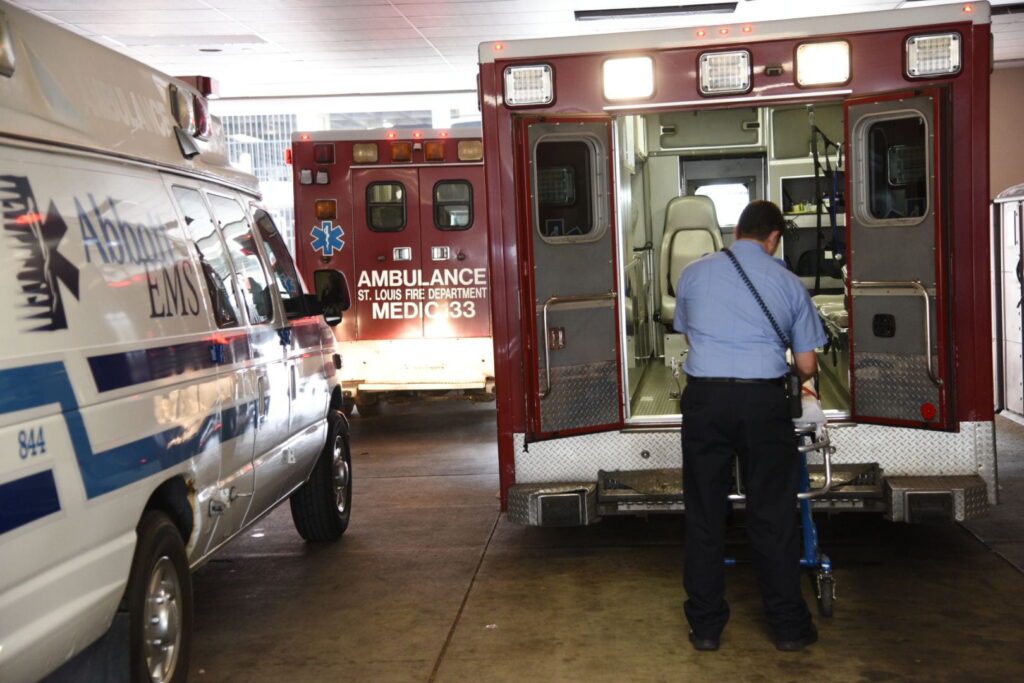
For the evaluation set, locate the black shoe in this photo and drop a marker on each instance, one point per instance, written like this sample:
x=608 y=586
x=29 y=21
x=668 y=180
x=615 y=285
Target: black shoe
x=799 y=643
x=703 y=644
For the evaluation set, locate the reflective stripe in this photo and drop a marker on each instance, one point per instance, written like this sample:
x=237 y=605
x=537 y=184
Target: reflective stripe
x=27 y=499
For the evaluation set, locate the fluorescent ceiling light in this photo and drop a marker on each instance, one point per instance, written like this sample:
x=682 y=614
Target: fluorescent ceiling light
x=662 y=11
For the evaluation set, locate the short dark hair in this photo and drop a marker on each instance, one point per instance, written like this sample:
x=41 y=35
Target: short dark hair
x=759 y=219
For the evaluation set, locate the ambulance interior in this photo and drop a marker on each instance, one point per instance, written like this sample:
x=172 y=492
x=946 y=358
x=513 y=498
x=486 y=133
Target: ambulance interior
x=683 y=178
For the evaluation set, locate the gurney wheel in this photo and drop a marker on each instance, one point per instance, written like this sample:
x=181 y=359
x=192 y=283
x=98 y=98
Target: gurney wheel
x=826 y=588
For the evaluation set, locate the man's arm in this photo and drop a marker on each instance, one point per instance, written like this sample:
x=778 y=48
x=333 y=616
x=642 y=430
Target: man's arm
x=806 y=364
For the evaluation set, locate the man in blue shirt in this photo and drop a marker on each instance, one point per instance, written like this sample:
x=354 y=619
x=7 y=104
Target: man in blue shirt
x=734 y=406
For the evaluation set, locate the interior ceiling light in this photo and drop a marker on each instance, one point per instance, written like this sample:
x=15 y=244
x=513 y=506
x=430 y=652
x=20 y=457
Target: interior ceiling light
x=662 y=11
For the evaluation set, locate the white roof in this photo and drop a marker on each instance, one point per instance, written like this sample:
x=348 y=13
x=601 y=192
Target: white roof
x=456 y=133
x=764 y=30
x=68 y=90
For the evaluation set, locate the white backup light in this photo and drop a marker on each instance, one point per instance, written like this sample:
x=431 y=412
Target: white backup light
x=528 y=85
x=823 y=63
x=934 y=55
x=723 y=72
x=630 y=78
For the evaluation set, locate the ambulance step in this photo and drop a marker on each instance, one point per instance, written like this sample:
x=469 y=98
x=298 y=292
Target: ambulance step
x=849 y=480
x=954 y=498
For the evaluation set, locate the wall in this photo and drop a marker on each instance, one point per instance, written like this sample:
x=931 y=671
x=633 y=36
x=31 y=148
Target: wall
x=1007 y=136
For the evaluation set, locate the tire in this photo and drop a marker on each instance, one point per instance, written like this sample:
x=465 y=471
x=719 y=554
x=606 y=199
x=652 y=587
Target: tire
x=322 y=506
x=348 y=407
x=826 y=595
x=371 y=408
x=159 y=603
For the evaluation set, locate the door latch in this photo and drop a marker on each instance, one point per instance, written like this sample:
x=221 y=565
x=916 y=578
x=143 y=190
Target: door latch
x=556 y=338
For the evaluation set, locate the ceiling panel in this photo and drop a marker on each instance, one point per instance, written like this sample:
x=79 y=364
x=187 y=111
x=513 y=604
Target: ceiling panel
x=311 y=47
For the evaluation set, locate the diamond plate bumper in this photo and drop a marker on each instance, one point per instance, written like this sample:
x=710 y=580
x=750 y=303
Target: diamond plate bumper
x=918 y=499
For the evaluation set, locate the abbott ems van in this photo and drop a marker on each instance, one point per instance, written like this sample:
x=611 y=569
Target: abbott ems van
x=164 y=381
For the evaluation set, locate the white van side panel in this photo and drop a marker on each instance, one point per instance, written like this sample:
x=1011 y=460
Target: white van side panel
x=109 y=390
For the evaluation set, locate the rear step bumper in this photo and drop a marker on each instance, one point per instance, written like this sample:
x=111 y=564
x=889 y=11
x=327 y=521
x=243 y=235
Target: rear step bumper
x=857 y=487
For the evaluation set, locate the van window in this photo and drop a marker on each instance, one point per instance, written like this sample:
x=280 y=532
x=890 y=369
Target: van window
x=281 y=266
x=564 y=189
x=729 y=197
x=252 y=280
x=453 y=205
x=897 y=167
x=385 y=207
x=212 y=259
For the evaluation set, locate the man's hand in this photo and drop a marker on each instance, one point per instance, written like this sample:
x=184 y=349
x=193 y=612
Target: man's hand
x=806 y=364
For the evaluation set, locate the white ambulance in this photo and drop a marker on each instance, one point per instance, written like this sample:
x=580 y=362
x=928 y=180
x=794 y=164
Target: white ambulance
x=164 y=380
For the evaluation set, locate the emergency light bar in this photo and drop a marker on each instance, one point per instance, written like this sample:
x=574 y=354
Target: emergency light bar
x=933 y=55
x=823 y=63
x=630 y=78
x=526 y=85
x=724 y=72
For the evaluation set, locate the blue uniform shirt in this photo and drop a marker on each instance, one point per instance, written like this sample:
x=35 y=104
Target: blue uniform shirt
x=729 y=334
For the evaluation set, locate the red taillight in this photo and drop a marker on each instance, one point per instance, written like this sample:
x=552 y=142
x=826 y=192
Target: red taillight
x=288 y=156
x=29 y=218
x=929 y=411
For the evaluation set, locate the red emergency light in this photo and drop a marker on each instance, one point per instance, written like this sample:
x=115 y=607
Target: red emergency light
x=442 y=134
x=417 y=134
x=391 y=134
x=701 y=33
x=968 y=9
x=748 y=29
x=724 y=30
x=498 y=47
x=305 y=137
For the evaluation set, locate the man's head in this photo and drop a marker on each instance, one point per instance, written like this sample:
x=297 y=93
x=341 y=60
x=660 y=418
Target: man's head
x=759 y=220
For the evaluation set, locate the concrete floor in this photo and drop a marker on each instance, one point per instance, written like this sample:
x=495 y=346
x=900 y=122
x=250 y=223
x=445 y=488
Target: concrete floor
x=430 y=583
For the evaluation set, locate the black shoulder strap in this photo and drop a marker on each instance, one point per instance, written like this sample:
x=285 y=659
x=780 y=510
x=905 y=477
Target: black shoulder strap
x=760 y=301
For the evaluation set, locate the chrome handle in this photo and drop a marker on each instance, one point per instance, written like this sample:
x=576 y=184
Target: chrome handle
x=916 y=285
x=823 y=444
x=557 y=301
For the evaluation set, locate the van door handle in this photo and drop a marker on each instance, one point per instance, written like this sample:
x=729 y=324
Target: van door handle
x=262 y=398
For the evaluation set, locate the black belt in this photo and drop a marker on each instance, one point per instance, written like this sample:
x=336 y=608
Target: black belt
x=737 y=380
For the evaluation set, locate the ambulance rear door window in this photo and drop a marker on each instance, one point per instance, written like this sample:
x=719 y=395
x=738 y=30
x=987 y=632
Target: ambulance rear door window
x=282 y=267
x=565 y=189
x=898 y=163
x=385 y=207
x=453 y=205
x=213 y=260
x=252 y=280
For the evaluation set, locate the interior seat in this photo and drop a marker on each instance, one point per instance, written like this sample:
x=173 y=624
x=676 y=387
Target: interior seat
x=691 y=231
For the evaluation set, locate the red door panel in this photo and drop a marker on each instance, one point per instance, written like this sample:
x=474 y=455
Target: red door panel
x=388 y=254
x=453 y=221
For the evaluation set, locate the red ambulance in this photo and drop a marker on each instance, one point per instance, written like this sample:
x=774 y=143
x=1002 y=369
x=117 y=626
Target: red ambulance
x=615 y=160
x=403 y=214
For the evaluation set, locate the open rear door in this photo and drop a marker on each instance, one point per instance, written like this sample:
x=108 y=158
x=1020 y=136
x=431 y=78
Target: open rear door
x=570 y=283
x=898 y=275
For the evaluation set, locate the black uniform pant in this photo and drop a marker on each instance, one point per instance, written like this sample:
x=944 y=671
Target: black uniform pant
x=723 y=421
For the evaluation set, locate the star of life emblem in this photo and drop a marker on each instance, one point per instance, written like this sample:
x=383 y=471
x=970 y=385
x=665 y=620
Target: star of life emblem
x=327 y=238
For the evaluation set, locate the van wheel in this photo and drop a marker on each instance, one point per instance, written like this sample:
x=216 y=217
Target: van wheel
x=370 y=407
x=322 y=506
x=159 y=601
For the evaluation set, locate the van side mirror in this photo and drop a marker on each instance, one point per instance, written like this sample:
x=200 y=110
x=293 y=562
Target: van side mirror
x=332 y=293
